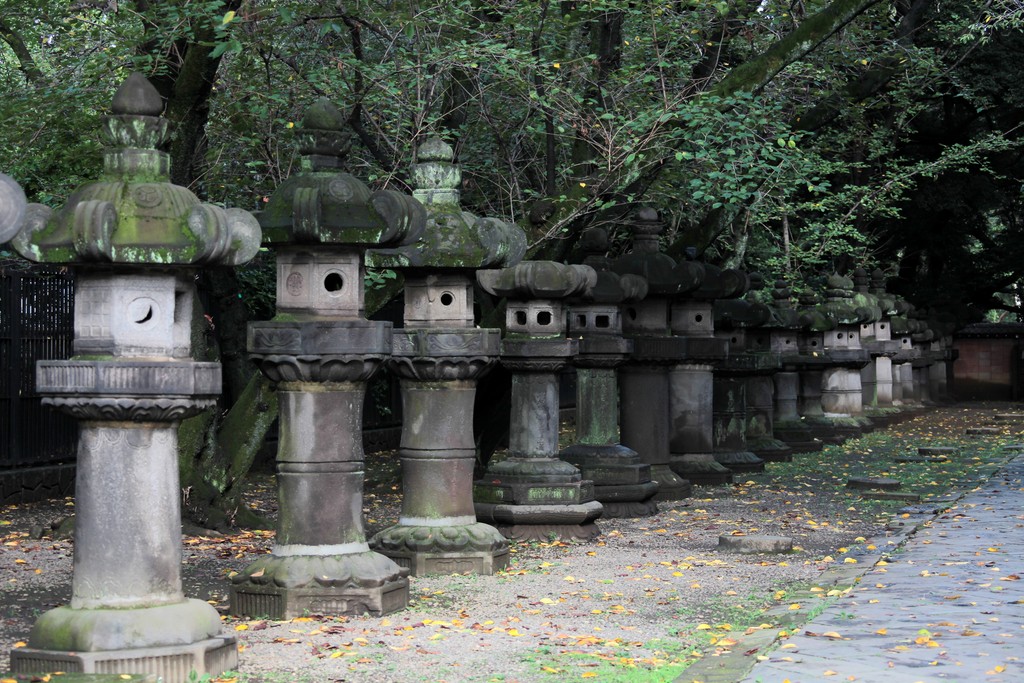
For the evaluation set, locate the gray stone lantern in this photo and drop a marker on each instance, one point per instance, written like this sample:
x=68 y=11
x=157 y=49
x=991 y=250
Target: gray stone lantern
x=814 y=360
x=902 y=361
x=644 y=385
x=12 y=207
x=439 y=356
x=134 y=241
x=622 y=482
x=876 y=337
x=531 y=494
x=691 y=381
x=320 y=351
x=841 y=394
x=943 y=353
x=786 y=327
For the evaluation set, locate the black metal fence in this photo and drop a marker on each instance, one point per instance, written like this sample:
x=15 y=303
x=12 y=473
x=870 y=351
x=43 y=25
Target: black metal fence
x=36 y=323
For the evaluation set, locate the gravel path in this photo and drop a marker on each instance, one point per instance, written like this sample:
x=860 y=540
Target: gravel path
x=641 y=602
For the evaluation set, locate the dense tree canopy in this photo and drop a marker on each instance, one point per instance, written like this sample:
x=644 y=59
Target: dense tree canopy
x=788 y=136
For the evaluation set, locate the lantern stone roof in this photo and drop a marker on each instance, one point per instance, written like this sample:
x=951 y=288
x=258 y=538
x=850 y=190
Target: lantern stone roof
x=134 y=215
x=322 y=204
x=453 y=238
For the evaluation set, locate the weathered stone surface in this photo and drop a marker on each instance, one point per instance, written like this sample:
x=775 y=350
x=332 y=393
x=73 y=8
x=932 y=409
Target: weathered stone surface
x=749 y=544
x=944 y=451
x=12 y=207
x=320 y=351
x=131 y=382
x=869 y=483
x=983 y=431
x=85 y=678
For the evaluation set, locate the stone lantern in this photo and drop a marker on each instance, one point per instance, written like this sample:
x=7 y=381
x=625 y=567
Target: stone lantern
x=786 y=328
x=135 y=241
x=691 y=380
x=439 y=355
x=841 y=393
x=622 y=482
x=814 y=360
x=749 y=357
x=923 y=337
x=12 y=207
x=902 y=362
x=531 y=494
x=320 y=351
x=876 y=337
x=644 y=385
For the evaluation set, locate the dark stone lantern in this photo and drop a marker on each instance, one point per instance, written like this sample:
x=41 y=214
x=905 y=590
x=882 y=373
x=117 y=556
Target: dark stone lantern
x=531 y=494
x=439 y=356
x=644 y=388
x=902 y=362
x=622 y=483
x=691 y=381
x=924 y=337
x=134 y=241
x=320 y=351
x=786 y=328
x=749 y=357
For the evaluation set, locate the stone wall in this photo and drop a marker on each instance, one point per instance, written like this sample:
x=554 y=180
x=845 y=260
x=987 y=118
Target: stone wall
x=988 y=368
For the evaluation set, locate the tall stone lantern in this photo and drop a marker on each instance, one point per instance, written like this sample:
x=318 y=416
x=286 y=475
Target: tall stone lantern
x=645 y=411
x=12 y=207
x=841 y=395
x=691 y=381
x=320 y=351
x=622 y=483
x=439 y=355
x=787 y=327
x=531 y=494
x=876 y=337
x=134 y=241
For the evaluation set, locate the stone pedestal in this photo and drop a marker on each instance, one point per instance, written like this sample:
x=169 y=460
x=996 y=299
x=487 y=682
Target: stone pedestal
x=761 y=439
x=438 y=532
x=644 y=413
x=532 y=495
x=788 y=426
x=320 y=562
x=127 y=611
x=622 y=482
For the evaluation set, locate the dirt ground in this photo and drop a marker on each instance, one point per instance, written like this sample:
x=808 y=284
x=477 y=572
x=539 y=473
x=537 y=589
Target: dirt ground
x=639 y=603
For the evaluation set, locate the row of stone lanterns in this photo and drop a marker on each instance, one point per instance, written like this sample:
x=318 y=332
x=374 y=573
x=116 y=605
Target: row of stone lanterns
x=680 y=381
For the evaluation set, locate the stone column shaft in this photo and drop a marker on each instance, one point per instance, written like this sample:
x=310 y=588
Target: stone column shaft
x=320 y=453
x=128 y=555
x=534 y=425
x=438 y=453
x=597 y=406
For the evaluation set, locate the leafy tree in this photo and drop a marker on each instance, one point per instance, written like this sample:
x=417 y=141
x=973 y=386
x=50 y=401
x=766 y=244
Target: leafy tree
x=777 y=135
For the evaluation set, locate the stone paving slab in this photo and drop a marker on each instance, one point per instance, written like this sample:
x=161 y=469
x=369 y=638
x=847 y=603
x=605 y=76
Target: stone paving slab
x=948 y=606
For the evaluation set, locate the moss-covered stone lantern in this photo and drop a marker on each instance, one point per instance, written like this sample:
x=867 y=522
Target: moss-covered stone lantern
x=439 y=356
x=841 y=394
x=749 y=358
x=531 y=494
x=320 y=351
x=134 y=241
x=876 y=337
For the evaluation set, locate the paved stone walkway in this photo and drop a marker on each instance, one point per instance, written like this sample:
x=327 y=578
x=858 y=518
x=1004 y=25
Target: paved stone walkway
x=947 y=606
